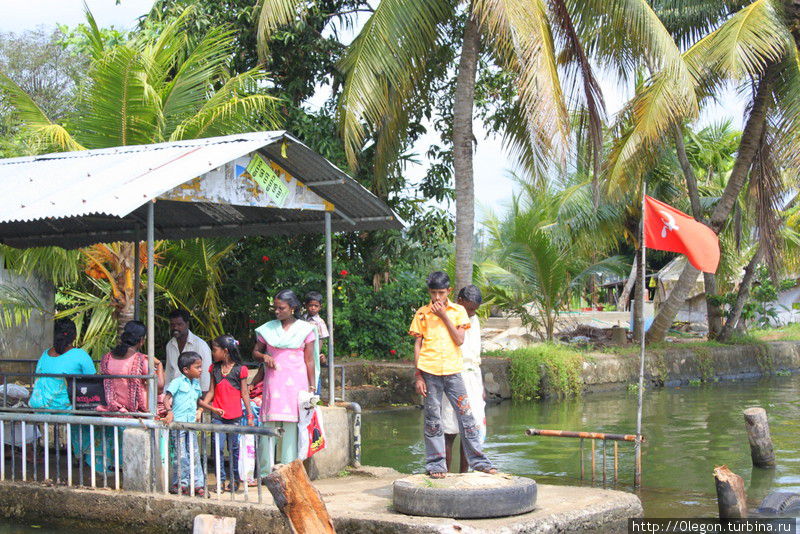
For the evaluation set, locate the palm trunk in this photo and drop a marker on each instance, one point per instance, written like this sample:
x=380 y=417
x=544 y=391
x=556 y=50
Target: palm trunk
x=463 y=137
x=741 y=296
x=748 y=146
x=713 y=311
x=622 y=304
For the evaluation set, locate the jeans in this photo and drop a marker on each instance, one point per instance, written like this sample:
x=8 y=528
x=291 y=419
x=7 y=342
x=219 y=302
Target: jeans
x=181 y=441
x=452 y=386
x=233 y=448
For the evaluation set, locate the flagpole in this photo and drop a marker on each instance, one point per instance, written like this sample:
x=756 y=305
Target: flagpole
x=637 y=476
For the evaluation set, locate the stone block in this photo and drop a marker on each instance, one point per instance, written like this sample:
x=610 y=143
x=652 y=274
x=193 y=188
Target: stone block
x=137 y=460
x=213 y=524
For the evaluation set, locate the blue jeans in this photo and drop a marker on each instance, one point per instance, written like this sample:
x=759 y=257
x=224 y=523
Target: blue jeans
x=180 y=441
x=451 y=386
x=233 y=448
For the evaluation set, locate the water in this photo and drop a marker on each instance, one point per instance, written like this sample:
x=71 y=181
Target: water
x=689 y=431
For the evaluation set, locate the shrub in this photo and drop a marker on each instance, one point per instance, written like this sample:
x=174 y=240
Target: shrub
x=544 y=369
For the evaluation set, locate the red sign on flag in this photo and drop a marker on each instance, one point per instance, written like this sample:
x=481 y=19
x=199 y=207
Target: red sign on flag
x=666 y=228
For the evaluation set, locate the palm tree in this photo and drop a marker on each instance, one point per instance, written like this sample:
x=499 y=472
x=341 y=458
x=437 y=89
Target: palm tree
x=756 y=47
x=158 y=86
x=539 y=42
x=541 y=252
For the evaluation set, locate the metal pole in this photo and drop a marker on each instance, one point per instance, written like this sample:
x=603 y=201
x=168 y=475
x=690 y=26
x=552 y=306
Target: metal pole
x=637 y=474
x=151 y=309
x=329 y=289
x=137 y=275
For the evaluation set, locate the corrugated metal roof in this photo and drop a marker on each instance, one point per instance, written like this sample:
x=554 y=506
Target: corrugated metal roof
x=72 y=199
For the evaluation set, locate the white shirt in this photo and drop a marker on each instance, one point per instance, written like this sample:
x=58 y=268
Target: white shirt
x=193 y=344
x=471 y=348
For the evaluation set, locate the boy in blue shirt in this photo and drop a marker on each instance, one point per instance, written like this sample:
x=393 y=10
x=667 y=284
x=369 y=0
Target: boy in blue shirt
x=181 y=400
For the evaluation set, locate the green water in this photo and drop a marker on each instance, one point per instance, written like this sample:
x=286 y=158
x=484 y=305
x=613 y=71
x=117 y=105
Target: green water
x=689 y=430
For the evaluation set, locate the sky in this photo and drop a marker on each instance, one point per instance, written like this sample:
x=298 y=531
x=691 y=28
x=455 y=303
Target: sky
x=492 y=165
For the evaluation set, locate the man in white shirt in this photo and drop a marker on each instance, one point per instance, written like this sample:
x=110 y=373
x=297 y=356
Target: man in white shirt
x=470 y=297
x=183 y=340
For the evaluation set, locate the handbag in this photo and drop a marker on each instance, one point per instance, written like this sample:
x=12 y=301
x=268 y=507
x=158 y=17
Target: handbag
x=311 y=434
x=88 y=393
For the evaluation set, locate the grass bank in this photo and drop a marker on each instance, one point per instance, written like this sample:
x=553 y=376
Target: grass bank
x=543 y=370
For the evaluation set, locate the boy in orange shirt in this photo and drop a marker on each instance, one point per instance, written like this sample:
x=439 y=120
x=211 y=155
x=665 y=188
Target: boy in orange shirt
x=439 y=328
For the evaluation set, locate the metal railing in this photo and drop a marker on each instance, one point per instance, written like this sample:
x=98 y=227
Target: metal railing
x=99 y=441
x=594 y=436
x=72 y=380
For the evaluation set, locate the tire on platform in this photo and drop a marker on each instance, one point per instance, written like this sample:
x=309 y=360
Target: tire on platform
x=780 y=503
x=419 y=495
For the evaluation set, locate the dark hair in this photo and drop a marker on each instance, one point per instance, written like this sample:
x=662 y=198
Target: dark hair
x=180 y=312
x=64 y=333
x=471 y=293
x=438 y=280
x=132 y=334
x=312 y=296
x=186 y=359
x=230 y=344
x=288 y=296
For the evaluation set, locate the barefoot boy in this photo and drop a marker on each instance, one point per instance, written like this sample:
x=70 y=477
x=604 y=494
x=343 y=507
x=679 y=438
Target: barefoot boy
x=439 y=328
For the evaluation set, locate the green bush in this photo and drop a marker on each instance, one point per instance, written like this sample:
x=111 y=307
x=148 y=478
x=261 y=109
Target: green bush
x=544 y=369
x=368 y=323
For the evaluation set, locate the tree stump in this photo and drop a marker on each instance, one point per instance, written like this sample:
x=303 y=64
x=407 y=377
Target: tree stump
x=731 y=498
x=298 y=500
x=755 y=420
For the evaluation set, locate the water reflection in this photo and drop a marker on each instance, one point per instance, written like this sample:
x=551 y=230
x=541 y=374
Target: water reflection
x=689 y=430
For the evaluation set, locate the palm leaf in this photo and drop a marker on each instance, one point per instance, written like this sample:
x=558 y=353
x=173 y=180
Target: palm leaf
x=273 y=14
x=33 y=118
x=388 y=55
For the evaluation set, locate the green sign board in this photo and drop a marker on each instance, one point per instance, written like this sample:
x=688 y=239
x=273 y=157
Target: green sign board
x=268 y=180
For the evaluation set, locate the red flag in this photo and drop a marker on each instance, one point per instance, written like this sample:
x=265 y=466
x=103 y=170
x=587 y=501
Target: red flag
x=666 y=228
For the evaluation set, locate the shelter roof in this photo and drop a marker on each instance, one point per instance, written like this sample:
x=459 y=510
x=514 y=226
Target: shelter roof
x=262 y=183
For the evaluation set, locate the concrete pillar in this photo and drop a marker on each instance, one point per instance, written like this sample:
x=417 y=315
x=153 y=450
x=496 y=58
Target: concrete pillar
x=336 y=454
x=137 y=461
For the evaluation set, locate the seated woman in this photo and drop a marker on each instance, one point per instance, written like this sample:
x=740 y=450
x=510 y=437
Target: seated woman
x=127 y=394
x=52 y=393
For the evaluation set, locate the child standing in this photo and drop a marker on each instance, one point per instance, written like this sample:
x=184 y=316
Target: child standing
x=227 y=392
x=439 y=328
x=313 y=305
x=470 y=298
x=181 y=402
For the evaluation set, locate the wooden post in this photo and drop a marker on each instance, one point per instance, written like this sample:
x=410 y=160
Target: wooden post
x=755 y=420
x=298 y=500
x=731 y=497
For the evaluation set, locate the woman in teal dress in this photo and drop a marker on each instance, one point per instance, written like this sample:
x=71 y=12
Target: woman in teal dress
x=53 y=393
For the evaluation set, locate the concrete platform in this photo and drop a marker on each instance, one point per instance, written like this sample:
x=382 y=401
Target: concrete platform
x=359 y=503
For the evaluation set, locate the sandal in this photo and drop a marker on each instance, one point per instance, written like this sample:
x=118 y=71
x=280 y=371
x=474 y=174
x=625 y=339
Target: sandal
x=490 y=471
x=226 y=486
x=173 y=490
x=199 y=492
x=437 y=474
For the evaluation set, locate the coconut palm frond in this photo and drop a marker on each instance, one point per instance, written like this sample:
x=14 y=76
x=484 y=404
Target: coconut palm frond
x=388 y=55
x=272 y=15
x=119 y=105
x=93 y=316
x=520 y=34
x=17 y=302
x=235 y=107
x=55 y=264
x=33 y=119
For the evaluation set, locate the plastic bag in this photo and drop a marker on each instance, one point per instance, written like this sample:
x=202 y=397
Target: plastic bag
x=311 y=435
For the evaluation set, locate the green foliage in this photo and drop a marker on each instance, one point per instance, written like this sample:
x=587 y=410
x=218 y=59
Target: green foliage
x=544 y=369
x=759 y=310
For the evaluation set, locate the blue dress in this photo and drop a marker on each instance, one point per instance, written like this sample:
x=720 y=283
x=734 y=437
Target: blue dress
x=53 y=393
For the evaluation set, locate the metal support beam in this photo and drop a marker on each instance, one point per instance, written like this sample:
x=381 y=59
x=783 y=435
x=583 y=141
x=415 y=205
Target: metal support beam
x=151 y=305
x=329 y=289
x=137 y=282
